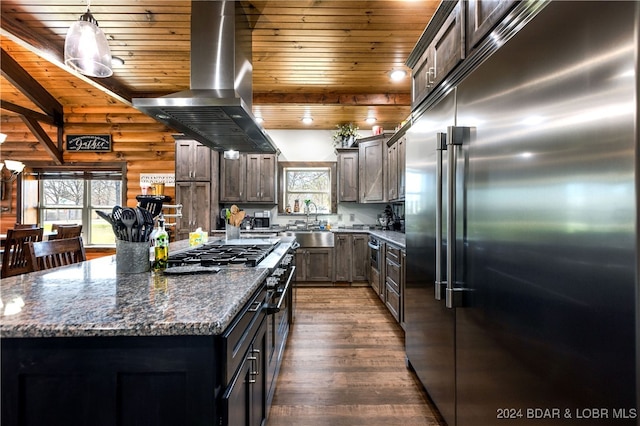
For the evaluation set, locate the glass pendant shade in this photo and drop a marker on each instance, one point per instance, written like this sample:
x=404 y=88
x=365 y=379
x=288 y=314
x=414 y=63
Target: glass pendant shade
x=86 y=48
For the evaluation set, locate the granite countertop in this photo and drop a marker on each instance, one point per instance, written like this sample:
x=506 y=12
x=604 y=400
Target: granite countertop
x=393 y=237
x=91 y=299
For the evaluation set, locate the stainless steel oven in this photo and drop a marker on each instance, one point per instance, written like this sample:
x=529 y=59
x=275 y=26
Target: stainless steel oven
x=279 y=307
x=374 y=249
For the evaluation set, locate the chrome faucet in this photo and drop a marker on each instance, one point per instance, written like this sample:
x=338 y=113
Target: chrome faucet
x=307 y=210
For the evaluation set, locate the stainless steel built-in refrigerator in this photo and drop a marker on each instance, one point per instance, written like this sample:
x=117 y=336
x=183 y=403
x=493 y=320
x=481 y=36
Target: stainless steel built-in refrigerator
x=522 y=194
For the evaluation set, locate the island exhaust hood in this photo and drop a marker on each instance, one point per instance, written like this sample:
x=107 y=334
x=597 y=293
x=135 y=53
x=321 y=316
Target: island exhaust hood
x=216 y=111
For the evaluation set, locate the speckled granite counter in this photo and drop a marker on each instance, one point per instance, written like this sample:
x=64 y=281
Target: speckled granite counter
x=91 y=299
x=394 y=237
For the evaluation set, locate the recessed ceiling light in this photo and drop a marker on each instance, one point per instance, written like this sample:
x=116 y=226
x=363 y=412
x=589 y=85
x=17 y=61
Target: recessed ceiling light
x=397 y=75
x=370 y=119
x=307 y=119
x=259 y=119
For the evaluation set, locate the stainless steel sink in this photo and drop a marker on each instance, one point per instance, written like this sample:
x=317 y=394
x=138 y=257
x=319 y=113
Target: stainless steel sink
x=311 y=238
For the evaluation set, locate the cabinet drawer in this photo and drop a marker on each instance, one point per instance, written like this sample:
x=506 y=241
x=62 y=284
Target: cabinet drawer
x=393 y=275
x=393 y=302
x=237 y=338
x=393 y=254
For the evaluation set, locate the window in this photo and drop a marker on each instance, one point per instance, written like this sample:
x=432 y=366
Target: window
x=75 y=196
x=307 y=181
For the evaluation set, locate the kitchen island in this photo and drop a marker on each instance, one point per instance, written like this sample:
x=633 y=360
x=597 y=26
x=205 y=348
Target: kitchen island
x=84 y=345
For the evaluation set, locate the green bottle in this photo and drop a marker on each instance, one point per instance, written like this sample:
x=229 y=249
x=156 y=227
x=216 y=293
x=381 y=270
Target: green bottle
x=160 y=246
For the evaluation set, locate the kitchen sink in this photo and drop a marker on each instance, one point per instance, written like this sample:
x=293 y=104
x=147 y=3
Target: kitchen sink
x=311 y=238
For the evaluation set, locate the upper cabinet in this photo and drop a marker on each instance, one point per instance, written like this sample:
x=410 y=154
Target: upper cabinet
x=347 y=174
x=482 y=16
x=372 y=166
x=251 y=178
x=396 y=161
x=456 y=39
x=193 y=161
x=261 y=178
x=445 y=51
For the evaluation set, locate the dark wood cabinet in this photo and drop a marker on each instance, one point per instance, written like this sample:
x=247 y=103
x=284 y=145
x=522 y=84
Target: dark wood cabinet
x=402 y=167
x=482 y=17
x=314 y=264
x=352 y=257
x=394 y=281
x=372 y=167
x=396 y=163
x=195 y=164
x=448 y=44
x=195 y=198
x=445 y=50
x=347 y=175
x=250 y=178
x=193 y=161
x=261 y=178
x=109 y=381
x=244 y=401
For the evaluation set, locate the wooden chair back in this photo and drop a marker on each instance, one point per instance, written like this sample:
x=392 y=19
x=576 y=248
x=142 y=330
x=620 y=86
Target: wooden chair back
x=25 y=226
x=66 y=231
x=15 y=258
x=53 y=253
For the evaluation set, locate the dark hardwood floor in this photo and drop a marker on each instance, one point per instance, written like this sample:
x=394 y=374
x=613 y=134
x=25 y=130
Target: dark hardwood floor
x=345 y=365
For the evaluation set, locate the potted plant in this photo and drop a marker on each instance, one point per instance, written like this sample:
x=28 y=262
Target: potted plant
x=346 y=135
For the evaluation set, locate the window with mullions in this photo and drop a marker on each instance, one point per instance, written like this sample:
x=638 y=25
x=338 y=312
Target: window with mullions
x=75 y=196
x=308 y=181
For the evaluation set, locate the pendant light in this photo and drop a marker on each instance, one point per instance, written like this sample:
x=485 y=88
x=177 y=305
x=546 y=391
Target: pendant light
x=86 y=49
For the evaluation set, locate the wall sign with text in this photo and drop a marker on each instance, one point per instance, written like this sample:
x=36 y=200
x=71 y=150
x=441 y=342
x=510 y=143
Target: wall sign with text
x=89 y=143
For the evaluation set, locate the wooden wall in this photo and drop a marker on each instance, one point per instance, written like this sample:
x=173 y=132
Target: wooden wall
x=143 y=144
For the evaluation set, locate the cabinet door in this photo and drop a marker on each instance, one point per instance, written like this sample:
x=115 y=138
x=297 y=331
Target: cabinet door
x=361 y=264
x=402 y=165
x=202 y=162
x=193 y=161
x=448 y=44
x=371 y=164
x=343 y=256
x=348 y=176
x=232 y=179
x=184 y=157
x=392 y=172
x=319 y=264
x=423 y=77
x=260 y=184
x=482 y=16
x=195 y=198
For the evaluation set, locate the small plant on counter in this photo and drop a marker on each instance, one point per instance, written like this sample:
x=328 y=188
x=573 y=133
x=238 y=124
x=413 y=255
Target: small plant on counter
x=345 y=134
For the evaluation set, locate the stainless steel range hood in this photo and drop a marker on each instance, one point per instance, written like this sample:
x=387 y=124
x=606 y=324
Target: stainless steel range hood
x=216 y=111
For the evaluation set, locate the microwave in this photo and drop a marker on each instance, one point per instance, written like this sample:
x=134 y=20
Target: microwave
x=261 y=222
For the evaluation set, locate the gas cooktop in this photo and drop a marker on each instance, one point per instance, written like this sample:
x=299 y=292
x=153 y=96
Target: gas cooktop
x=239 y=253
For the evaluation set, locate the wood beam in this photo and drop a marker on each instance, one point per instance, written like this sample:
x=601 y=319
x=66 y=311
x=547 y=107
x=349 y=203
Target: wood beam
x=380 y=99
x=44 y=139
x=26 y=112
x=19 y=78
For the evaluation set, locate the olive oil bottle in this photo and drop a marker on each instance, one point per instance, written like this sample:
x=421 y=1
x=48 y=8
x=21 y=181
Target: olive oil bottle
x=160 y=246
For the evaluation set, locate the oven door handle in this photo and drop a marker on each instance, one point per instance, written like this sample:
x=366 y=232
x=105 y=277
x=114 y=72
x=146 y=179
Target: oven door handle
x=286 y=287
x=373 y=247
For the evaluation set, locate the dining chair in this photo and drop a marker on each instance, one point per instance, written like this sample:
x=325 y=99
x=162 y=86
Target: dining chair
x=66 y=231
x=53 y=253
x=25 y=226
x=14 y=258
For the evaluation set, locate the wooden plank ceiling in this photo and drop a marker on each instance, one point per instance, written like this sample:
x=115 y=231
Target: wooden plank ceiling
x=327 y=58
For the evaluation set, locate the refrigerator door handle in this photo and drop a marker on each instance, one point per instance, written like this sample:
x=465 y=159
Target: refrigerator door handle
x=440 y=281
x=455 y=138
